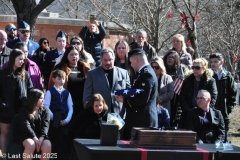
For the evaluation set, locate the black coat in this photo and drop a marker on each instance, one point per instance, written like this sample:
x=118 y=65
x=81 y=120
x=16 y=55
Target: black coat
x=227 y=92
x=48 y=64
x=141 y=110
x=86 y=125
x=4 y=57
x=206 y=82
x=150 y=50
x=27 y=127
x=8 y=88
x=92 y=42
x=194 y=122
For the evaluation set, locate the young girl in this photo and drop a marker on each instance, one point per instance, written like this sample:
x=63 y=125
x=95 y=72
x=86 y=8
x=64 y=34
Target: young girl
x=88 y=123
x=33 y=128
x=15 y=83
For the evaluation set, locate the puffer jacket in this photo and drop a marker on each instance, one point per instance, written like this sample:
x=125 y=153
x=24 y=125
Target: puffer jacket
x=206 y=82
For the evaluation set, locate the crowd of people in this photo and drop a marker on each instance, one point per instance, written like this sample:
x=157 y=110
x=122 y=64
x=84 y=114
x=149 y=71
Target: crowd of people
x=51 y=96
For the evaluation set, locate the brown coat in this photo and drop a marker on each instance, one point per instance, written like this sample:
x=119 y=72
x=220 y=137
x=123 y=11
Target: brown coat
x=67 y=70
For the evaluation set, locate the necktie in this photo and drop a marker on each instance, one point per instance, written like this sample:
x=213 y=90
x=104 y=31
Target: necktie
x=205 y=117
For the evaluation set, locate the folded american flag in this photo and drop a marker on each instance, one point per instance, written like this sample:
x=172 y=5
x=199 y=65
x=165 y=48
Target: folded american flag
x=179 y=80
x=128 y=92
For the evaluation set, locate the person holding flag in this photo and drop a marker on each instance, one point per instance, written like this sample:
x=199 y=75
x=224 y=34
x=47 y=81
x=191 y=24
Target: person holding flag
x=177 y=71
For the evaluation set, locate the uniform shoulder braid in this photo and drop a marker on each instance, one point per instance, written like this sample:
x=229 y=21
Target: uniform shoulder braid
x=145 y=70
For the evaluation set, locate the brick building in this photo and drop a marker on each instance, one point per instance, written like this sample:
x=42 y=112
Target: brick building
x=48 y=27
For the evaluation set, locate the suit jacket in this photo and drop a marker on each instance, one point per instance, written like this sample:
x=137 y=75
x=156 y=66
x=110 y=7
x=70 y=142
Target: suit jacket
x=32 y=46
x=48 y=64
x=141 y=110
x=194 y=122
x=97 y=82
x=4 y=57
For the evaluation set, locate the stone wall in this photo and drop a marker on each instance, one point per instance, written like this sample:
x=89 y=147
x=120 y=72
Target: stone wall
x=49 y=27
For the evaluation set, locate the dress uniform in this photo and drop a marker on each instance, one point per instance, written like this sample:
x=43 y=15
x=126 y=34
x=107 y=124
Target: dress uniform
x=141 y=109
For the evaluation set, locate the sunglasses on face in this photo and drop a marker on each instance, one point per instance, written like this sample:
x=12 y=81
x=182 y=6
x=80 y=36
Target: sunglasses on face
x=24 y=31
x=75 y=43
x=156 y=67
x=45 y=42
x=11 y=29
x=196 y=67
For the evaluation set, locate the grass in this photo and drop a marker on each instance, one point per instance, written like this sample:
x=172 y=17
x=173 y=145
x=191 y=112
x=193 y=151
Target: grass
x=234 y=134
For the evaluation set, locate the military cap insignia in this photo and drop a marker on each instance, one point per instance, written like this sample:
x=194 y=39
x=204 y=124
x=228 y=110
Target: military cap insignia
x=145 y=70
x=143 y=84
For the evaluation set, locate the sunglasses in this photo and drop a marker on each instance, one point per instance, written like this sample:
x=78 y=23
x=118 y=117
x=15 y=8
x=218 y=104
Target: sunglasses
x=75 y=43
x=24 y=31
x=156 y=67
x=196 y=67
x=45 y=42
x=11 y=29
x=200 y=98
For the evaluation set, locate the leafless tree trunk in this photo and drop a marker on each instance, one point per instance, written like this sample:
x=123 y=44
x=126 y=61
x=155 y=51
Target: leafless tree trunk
x=28 y=10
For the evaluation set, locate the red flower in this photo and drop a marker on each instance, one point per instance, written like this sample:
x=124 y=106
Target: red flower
x=197 y=16
x=169 y=15
x=188 y=42
x=234 y=57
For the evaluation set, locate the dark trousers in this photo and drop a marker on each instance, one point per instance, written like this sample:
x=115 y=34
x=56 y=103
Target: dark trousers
x=60 y=142
x=227 y=123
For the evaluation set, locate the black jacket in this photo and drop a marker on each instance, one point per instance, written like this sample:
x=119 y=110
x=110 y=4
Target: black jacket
x=48 y=64
x=227 y=92
x=92 y=42
x=5 y=55
x=27 y=127
x=194 y=122
x=206 y=82
x=8 y=88
x=150 y=50
x=86 y=125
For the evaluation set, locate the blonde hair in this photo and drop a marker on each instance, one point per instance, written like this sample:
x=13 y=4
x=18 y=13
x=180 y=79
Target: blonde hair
x=181 y=38
x=160 y=63
x=97 y=30
x=202 y=61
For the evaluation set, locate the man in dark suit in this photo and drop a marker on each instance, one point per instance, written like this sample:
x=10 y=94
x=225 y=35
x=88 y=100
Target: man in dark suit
x=207 y=122
x=105 y=79
x=24 y=35
x=51 y=56
x=4 y=50
x=141 y=110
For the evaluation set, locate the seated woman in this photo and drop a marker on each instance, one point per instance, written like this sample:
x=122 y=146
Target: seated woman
x=88 y=123
x=33 y=127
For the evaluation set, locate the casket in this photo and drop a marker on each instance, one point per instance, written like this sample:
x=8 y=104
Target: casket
x=182 y=139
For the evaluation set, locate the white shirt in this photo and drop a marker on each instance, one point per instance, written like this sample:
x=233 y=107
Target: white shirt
x=47 y=102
